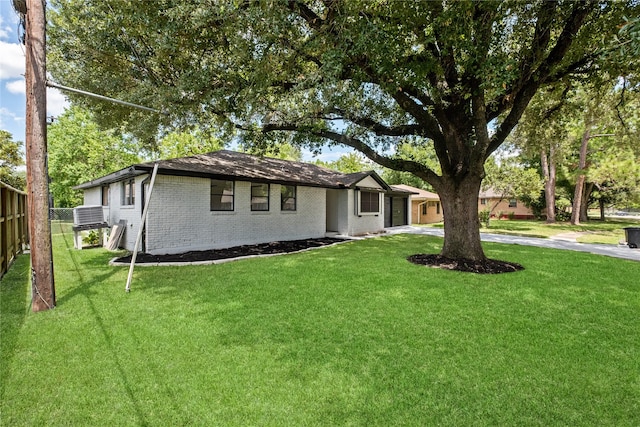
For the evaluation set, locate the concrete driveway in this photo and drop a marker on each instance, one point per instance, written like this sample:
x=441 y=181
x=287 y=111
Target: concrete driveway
x=616 y=251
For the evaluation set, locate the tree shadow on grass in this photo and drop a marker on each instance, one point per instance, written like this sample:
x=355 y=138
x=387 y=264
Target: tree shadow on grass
x=82 y=266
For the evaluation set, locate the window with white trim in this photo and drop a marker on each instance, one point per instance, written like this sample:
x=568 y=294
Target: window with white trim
x=369 y=202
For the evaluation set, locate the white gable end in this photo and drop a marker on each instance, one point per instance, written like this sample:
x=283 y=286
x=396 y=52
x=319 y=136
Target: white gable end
x=369 y=182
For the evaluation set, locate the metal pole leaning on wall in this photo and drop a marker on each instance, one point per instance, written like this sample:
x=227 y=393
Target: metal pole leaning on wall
x=142 y=223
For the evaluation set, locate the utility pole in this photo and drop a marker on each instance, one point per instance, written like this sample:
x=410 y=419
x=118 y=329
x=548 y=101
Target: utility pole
x=43 y=295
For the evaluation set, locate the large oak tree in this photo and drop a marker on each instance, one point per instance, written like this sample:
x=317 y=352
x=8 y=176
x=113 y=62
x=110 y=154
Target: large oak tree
x=368 y=74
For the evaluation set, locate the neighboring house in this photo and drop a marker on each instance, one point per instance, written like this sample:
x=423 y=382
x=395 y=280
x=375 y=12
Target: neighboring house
x=505 y=206
x=425 y=205
x=224 y=199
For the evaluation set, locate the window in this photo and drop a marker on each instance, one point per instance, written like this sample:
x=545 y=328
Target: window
x=424 y=208
x=369 y=202
x=259 y=197
x=513 y=203
x=129 y=192
x=105 y=195
x=288 y=198
x=483 y=201
x=221 y=195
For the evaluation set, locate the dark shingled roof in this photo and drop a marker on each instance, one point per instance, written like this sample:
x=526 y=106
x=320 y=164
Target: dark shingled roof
x=227 y=164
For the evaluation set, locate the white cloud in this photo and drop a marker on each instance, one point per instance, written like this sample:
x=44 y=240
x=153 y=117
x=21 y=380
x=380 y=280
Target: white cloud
x=8 y=20
x=16 y=87
x=5 y=30
x=12 y=60
x=7 y=116
x=56 y=102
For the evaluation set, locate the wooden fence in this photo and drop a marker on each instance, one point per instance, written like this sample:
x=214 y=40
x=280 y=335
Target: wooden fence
x=13 y=225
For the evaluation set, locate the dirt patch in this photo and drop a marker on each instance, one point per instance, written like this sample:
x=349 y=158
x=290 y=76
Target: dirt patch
x=488 y=266
x=234 y=252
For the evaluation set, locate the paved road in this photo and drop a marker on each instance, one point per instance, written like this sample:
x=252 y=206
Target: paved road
x=616 y=251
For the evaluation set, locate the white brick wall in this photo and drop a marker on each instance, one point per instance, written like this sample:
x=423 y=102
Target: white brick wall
x=180 y=218
x=364 y=223
x=115 y=211
x=344 y=219
x=93 y=196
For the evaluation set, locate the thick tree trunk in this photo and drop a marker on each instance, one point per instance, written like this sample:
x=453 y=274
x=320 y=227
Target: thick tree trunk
x=461 y=226
x=549 y=170
x=586 y=195
x=579 y=190
x=577 y=200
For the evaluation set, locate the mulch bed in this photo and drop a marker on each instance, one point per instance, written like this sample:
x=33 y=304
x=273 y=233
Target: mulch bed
x=234 y=252
x=488 y=266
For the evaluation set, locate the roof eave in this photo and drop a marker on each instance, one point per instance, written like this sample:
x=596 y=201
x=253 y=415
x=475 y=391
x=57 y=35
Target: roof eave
x=145 y=168
x=131 y=171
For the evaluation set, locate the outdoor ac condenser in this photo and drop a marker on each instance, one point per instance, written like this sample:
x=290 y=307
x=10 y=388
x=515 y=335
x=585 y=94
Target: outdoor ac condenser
x=85 y=215
x=87 y=218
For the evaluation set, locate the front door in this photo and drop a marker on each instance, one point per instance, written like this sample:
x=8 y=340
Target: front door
x=387 y=212
x=399 y=211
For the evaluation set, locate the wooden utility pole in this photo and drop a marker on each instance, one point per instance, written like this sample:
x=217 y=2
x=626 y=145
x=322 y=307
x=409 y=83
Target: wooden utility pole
x=42 y=285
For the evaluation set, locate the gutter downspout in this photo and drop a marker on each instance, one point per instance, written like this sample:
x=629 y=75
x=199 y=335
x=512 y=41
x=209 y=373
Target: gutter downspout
x=142 y=223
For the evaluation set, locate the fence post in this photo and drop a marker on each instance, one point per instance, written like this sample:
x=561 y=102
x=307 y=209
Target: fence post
x=4 y=257
x=13 y=227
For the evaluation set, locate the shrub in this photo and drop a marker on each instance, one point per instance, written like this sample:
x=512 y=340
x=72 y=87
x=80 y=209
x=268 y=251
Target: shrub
x=485 y=217
x=92 y=238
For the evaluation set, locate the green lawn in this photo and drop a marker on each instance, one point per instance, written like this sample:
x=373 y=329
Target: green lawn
x=594 y=231
x=347 y=335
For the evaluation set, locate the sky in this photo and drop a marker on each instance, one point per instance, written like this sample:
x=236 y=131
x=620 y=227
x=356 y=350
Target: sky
x=13 y=89
x=12 y=84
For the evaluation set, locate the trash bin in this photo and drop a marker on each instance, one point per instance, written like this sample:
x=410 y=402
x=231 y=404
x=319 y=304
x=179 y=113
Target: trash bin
x=633 y=236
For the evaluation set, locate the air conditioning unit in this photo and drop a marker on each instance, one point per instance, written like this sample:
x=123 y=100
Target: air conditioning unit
x=87 y=218
x=87 y=215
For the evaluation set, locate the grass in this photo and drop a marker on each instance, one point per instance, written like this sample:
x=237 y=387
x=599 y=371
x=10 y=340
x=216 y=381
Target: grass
x=347 y=335
x=594 y=231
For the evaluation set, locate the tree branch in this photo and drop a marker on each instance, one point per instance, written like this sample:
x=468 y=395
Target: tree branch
x=429 y=123
x=522 y=97
x=416 y=168
x=380 y=129
x=311 y=18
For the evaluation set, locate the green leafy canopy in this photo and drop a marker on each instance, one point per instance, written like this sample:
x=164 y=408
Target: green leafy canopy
x=365 y=73
x=79 y=152
x=11 y=157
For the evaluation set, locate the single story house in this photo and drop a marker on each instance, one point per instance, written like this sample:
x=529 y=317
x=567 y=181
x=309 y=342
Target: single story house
x=425 y=205
x=225 y=198
x=510 y=207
